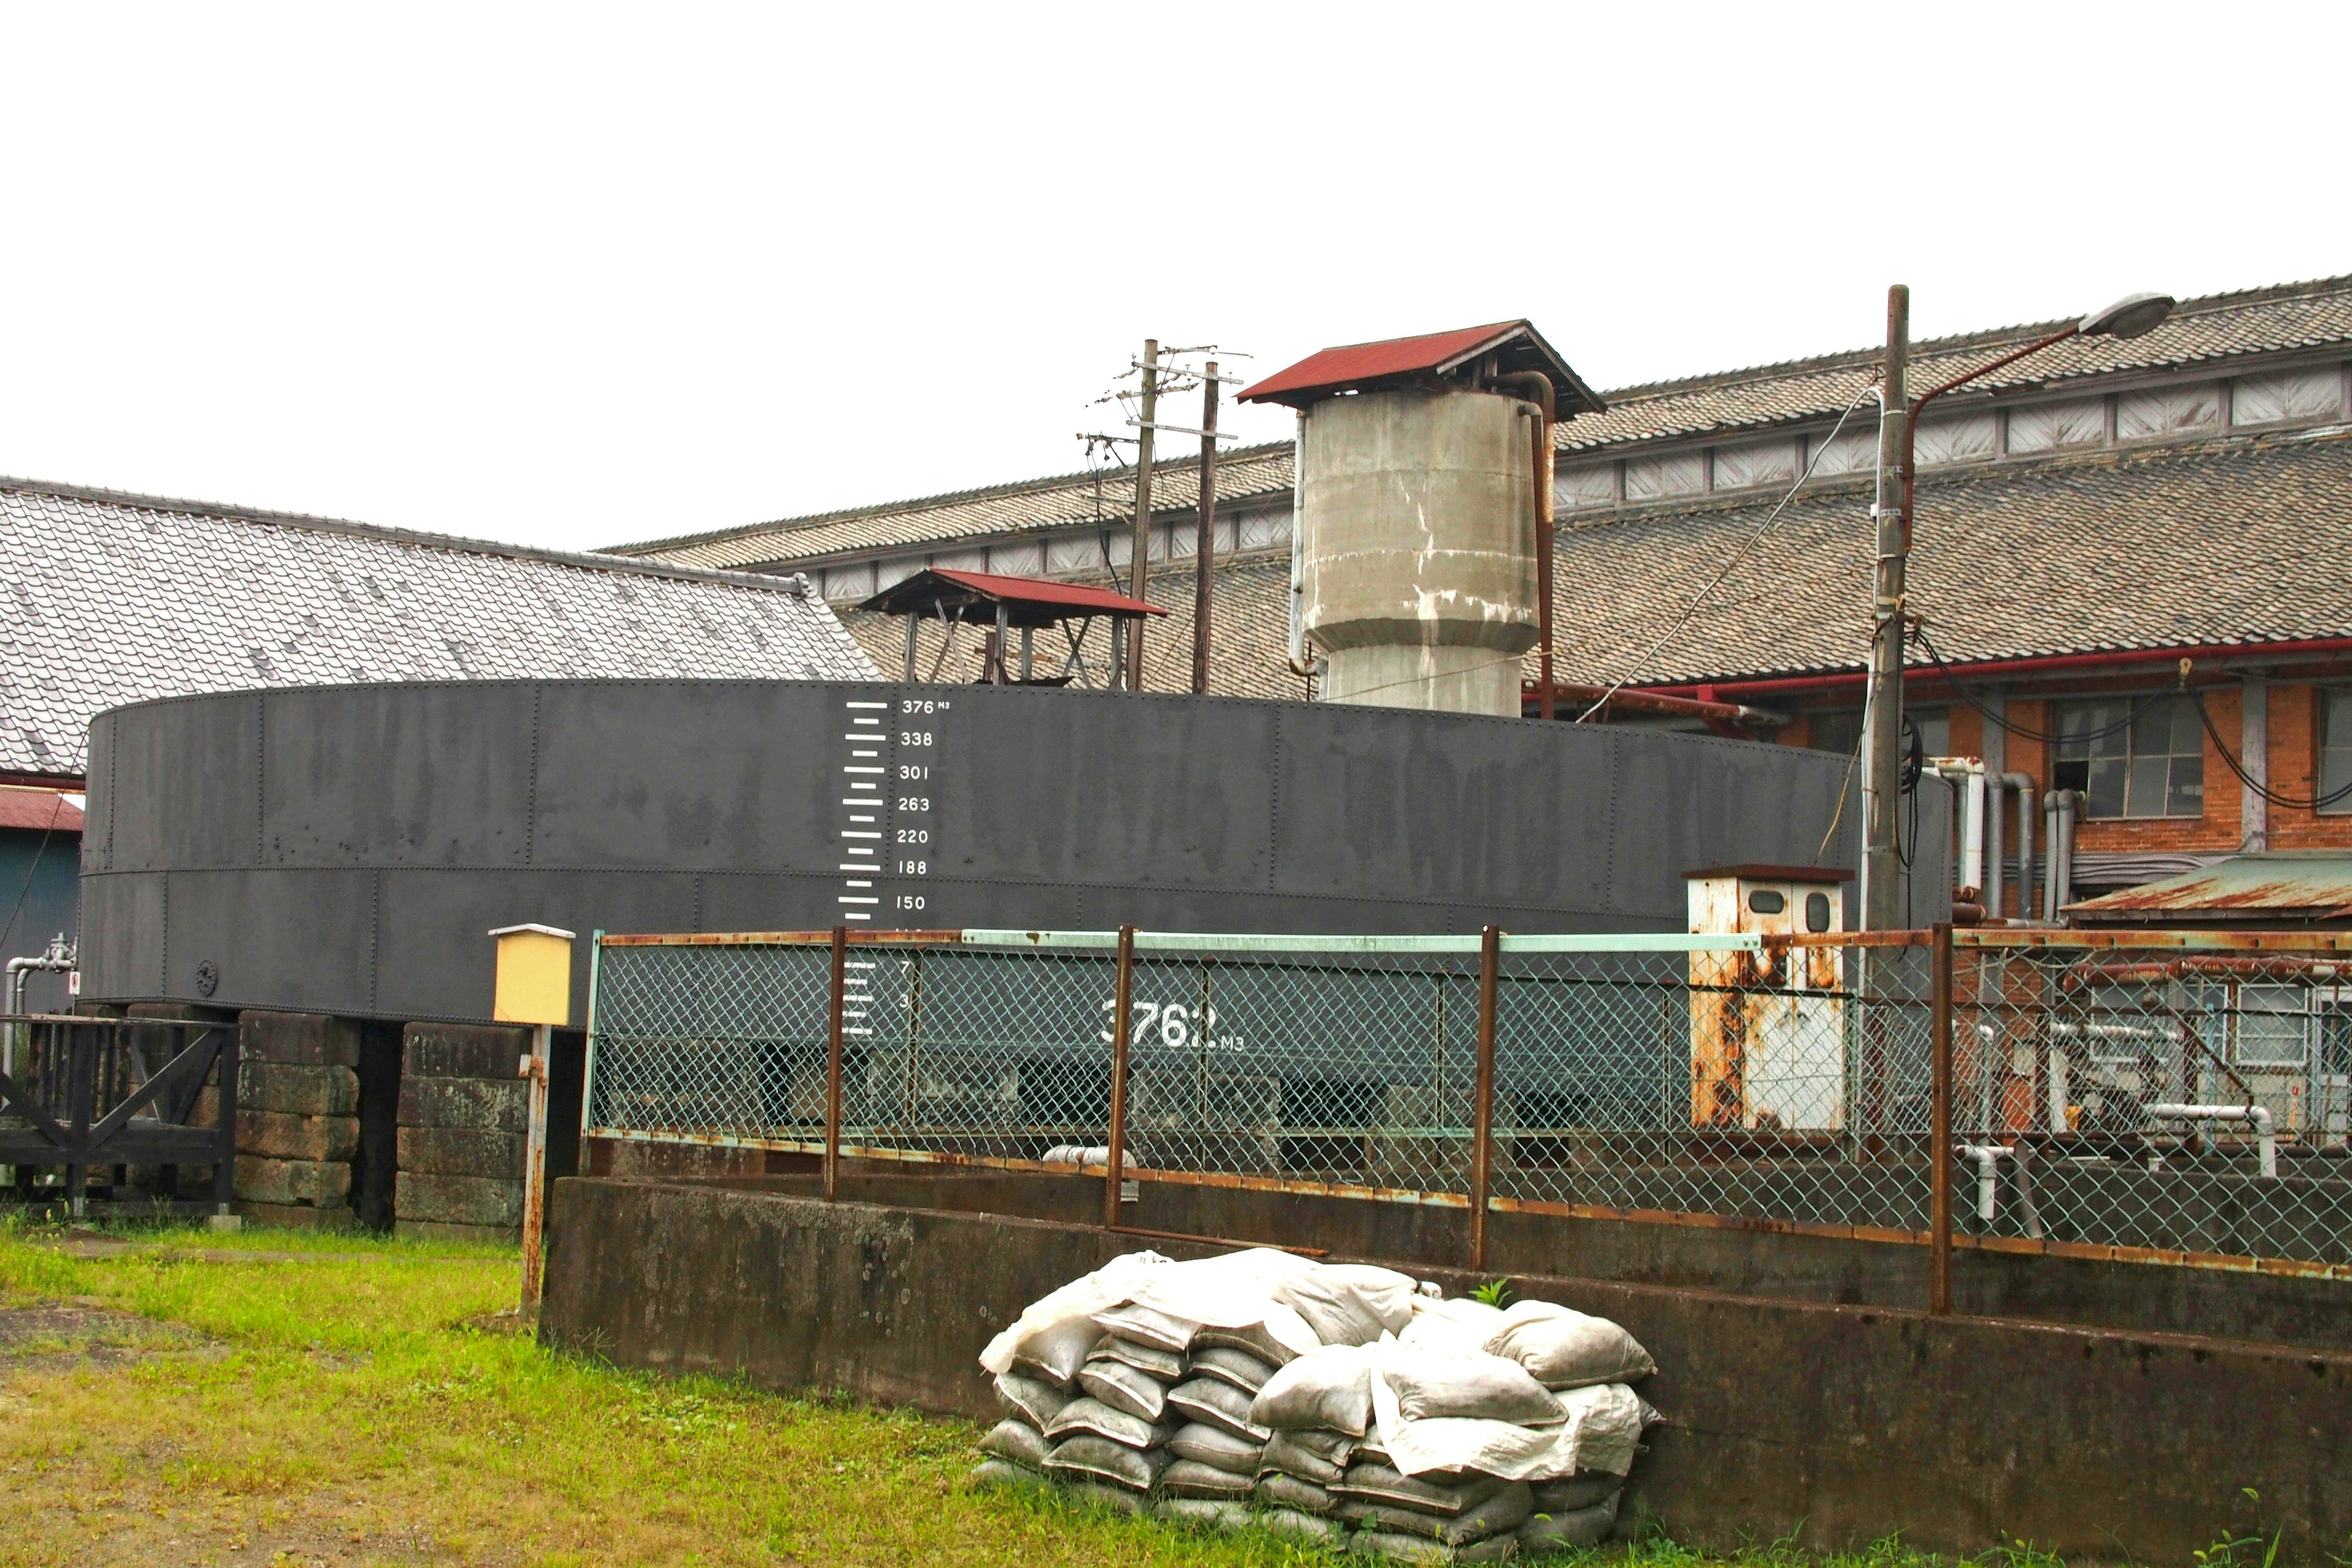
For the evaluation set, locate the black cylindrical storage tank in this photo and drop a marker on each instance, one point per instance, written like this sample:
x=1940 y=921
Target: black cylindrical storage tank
x=344 y=849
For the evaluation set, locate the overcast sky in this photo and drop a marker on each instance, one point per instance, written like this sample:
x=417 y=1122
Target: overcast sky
x=578 y=276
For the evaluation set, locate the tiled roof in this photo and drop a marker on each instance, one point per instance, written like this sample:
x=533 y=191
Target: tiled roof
x=107 y=599
x=2233 y=541
x=2215 y=328
x=2237 y=540
x=2203 y=330
x=1065 y=499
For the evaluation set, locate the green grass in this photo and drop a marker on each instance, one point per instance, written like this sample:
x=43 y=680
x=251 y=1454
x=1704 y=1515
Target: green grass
x=343 y=1410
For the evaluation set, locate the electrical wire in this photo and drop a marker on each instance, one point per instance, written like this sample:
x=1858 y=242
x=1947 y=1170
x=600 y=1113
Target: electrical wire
x=2285 y=803
x=2026 y=732
x=1736 y=556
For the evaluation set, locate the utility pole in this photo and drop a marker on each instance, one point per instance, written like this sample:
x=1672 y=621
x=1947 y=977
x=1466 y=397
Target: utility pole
x=1881 y=747
x=1139 y=564
x=1205 y=550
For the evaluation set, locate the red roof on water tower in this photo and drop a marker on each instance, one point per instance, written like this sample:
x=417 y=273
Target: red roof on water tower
x=1356 y=367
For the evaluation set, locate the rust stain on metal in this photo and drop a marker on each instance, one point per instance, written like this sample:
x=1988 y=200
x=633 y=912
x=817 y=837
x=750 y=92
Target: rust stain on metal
x=784 y=939
x=1305 y=1188
x=1712 y=1220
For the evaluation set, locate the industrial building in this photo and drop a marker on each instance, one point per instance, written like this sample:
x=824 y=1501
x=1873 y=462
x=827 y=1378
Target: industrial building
x=2087 y=520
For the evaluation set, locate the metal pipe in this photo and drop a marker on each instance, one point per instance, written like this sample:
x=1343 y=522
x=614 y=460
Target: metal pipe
x=1139 y=569
x=60 y=956
x=1546 y=401
x=1300 y=663
x=1204 y=548
x=1940 y=1113
x=2265 y=1132
x=1988 y=1157
x=1122 y=1014
x=1966 y=775
x=2207 y=655
x=2058 y=808
x=1481 y=1114
x=2023 y=784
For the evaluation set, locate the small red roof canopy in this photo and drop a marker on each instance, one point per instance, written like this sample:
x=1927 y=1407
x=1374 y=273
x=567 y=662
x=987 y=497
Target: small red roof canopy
x=974 y=595
x=1356 y=367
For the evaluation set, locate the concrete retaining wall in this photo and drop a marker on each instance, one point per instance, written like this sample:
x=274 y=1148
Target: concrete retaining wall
x=463 y=1114
x=1836 y=1425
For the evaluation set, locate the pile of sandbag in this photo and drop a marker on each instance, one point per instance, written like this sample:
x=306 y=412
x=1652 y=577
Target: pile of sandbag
x=1340 y=1403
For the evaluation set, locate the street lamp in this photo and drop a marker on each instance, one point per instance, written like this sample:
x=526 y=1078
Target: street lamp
x=2129 y=317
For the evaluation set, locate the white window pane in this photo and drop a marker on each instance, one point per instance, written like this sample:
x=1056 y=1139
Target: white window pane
x=2272 y=1026
x=2167 y=410
x=1959 y=438
x=1657 y=478
x=2054 y=427
x=2290 y=395
x=1585 y=486
x=1755 y=463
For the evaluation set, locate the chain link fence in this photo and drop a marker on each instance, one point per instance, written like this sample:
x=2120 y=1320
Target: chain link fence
x=2187 y=1099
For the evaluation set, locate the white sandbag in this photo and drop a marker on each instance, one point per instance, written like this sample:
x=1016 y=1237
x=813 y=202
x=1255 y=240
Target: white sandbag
x=1303 y=1526
x=1093 y=1416
x=1168 y=1366
x=1500 y=1512
x=1570 y=1530
x=1148 y=1326
x=1572 y=1493
x=1459 y=1324
x=1101 y=1494
x=1563 y=1348
x=1219 y=1404
x=1412 y=1548
x=1380 y=1486
x=1087 y=1457
x=1328 y=1389
x=1432 y=1382
x=1276 y=1489
x=1603 y=1431
x=1030 y=1399
x=1190 y=1477
x=1499 y=1448
x=1050 y=1322
x=1321 y=1458
x=1210 y=1514
x=1016 y=1442
x=1124 y=1387
x=1232 y=1298
x=1349 y=1303
x=1244 y=1371
x=1004 y=1475
x=1207 y=1445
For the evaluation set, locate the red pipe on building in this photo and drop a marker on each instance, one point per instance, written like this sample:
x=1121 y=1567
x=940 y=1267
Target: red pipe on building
x=2051 y=663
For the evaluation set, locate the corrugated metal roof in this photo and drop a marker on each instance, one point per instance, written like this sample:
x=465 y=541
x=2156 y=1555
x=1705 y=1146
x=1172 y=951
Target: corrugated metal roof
x=107 y=599
x=2286 y=884
x=38 y=811
x=1361 y=365
x=924 y=589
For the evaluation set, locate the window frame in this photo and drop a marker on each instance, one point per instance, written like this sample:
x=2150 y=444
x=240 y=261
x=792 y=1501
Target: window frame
x=2322 y=699
x=2171 y=704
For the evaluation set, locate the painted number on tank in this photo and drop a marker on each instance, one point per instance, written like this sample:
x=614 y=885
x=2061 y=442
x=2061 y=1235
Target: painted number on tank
x=914 y=737
x=921 y=705
x=914 y=835
x=1173 y=1023
x=914 y=867
x=913 y=770
x=908 y=901
x=914 y=803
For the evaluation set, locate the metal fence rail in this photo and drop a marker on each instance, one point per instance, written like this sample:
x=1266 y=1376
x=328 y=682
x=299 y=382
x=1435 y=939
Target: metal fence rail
x=2180 y=1100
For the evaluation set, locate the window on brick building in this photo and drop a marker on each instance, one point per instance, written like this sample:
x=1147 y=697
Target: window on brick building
x=2335 y=748
x=1839 y=730
x=2131 y=757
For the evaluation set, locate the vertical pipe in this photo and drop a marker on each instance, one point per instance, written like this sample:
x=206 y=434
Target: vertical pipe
x=1122 y=1013
x=81 y=1087
x=913 y=621
x=534 y=1170
x=1003 y=640
x=832 y=1065
x=1481 y=1124
x=1996 y=873
x=1139 y=569
x=224 y=1130
x=1028 y=654
x=1205 y=549
x=588 y=1067
x=1939 y=1136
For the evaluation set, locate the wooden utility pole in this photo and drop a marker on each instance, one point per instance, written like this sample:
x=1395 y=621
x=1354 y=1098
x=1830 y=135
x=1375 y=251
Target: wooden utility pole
x=1139 y=565
x=1205 y=551
x=1882 y=764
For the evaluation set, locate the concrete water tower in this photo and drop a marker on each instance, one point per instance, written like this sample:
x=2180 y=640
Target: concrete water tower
x=1422 y=538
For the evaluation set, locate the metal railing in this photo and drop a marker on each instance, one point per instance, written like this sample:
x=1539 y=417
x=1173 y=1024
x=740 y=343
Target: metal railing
x=2181 y=1098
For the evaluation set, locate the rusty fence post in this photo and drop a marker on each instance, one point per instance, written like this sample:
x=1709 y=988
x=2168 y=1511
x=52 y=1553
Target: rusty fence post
x=1481 y=1114
x=534 y=1168
x=832 y=1065
x=1122 y=1014
x=1939 y=1136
